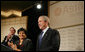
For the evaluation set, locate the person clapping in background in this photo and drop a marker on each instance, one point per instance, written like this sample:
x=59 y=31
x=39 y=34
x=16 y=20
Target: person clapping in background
x=23 y=44
x=11 y=37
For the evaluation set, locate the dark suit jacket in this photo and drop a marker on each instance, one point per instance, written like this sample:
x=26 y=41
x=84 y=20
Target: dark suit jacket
x=50 y=41
x=25 y=46
x=14 y=39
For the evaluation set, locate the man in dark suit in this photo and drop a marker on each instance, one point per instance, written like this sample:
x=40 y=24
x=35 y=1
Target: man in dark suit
x=49 y=39
x=11 y=37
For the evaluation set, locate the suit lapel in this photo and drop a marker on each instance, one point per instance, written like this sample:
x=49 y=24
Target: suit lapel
x=45 y=35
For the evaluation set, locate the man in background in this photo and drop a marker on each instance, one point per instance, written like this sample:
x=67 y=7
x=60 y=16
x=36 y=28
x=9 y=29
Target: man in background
x=11 y=37
x=49 y=39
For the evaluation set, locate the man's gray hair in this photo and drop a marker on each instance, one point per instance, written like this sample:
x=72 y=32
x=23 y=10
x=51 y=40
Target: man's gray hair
x=13 y=28
x=46 y=19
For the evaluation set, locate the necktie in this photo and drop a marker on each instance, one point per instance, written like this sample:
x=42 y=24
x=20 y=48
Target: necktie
x=40 y=38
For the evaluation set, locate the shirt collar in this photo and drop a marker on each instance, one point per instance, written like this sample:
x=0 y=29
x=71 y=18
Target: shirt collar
x=45 y=29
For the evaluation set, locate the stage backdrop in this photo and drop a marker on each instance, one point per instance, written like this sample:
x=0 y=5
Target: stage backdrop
x=68 y=18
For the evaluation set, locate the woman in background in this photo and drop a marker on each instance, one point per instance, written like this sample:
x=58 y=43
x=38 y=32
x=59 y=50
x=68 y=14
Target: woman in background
x=23 y=44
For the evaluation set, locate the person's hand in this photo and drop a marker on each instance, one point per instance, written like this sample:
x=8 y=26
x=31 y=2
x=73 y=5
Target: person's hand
x=9 y=36
x=14 y=47
x=9 y=44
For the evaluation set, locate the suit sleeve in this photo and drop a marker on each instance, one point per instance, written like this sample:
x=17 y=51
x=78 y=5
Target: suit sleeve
x=15 y=38
x=28 y=46
x=55 y=40
x=4 y=40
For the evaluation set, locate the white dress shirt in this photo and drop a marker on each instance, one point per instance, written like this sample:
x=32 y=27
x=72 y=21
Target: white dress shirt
x=44 y=31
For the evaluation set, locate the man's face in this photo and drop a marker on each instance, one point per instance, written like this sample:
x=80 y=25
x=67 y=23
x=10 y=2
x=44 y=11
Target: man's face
x=41 y=23
x=12 y=31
